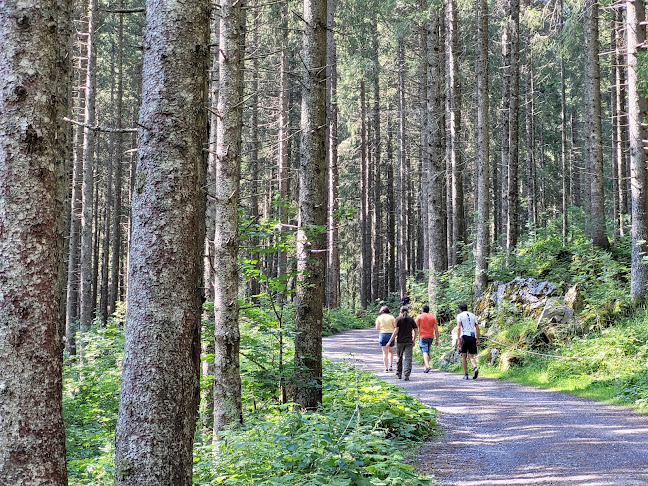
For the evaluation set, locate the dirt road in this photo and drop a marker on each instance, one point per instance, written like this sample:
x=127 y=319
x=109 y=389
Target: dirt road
x=500 y=433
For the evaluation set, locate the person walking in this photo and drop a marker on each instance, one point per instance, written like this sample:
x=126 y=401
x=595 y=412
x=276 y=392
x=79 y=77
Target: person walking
x=385 y=324
x=428 y=332
x=405 y=336
x=468 y=338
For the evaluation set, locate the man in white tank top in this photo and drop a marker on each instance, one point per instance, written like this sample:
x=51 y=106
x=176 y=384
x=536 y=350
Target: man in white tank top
x=468 y=338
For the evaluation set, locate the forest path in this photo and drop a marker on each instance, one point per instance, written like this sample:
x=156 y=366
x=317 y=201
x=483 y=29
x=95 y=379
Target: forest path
x=495 y=432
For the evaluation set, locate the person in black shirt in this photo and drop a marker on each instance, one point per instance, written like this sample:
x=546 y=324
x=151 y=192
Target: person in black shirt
x=405 y=335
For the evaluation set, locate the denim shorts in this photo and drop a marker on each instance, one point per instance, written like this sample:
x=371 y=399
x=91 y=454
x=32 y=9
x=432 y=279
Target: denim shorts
x=384 y=339
x=425 y=344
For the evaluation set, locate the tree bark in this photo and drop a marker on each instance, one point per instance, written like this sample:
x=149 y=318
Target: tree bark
x=32 y=434
x=311 y=235
x=512 y=218
x=482 y=190
x=333 y=271
x=365 y=216
x=453 y=121
x=227 y=378
x=391 y=212
x=377 y=224
x=160 y=387
x=435 y=206
x=116 y=236
x=255 y=285
x=574 y=162
x=207 y=344
x=532 y=216
x=501 y=223
x=401 y=192
x=620 y=119
x=283 y=159
x=87 y=307
x=563 y=137
x=637 y=113
x=593 y=144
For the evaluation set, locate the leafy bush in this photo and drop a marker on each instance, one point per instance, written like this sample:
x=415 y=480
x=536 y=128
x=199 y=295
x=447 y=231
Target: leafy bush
x=91 y=403
x=355 y=439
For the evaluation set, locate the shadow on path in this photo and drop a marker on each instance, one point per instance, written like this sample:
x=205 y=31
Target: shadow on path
x=496 y=432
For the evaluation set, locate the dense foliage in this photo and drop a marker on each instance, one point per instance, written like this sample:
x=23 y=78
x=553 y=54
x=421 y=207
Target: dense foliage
x=362 y=434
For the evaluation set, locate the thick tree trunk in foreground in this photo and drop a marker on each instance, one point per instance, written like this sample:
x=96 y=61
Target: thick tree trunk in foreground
x=482 y=190
x=32 y=434
x=227 y=338
x=311 y=236
x=161 y=369
x=637 y=112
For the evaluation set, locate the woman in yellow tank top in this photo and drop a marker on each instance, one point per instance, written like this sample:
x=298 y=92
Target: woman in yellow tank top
x=385 y=324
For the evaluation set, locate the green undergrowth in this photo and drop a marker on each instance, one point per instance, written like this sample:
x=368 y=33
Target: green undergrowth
x=610 y=365
x=363 y=435
x=602 y=354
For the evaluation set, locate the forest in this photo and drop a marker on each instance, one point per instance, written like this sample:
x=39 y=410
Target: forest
x=192 y=194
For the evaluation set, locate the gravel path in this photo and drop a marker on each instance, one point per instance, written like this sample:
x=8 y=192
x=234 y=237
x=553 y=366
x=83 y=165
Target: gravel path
x=500 y=433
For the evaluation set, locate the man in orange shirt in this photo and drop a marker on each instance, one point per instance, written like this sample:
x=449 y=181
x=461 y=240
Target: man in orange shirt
x=428 y=331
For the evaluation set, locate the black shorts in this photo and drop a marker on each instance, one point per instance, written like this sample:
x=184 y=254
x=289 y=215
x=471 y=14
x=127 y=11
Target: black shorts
x=469 y=344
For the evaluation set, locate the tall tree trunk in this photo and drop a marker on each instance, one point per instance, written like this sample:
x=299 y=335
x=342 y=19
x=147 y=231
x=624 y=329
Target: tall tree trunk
x=365 y=213
x=593 y=150
x=401 y=192
x=333 y=270
x=106 y=222
x=637 y=113
x=424 y=159
x=87 y=307
x=72 y=310
x=512 y=218
x=505 y=116
x=227 y=378
x=63 y=148
x=391 y=212
x=532 y=216
x=96 y=238
x=482 y=190
x=438 y=261
x=255 y=287
x=160 y=386
x=116 y=236
x=377 y=224
x=453 y=121
x=620 y=119
x=207 y=344
x=311 y=241
x=32 y=434
x=563 y=137
x=283 y=159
